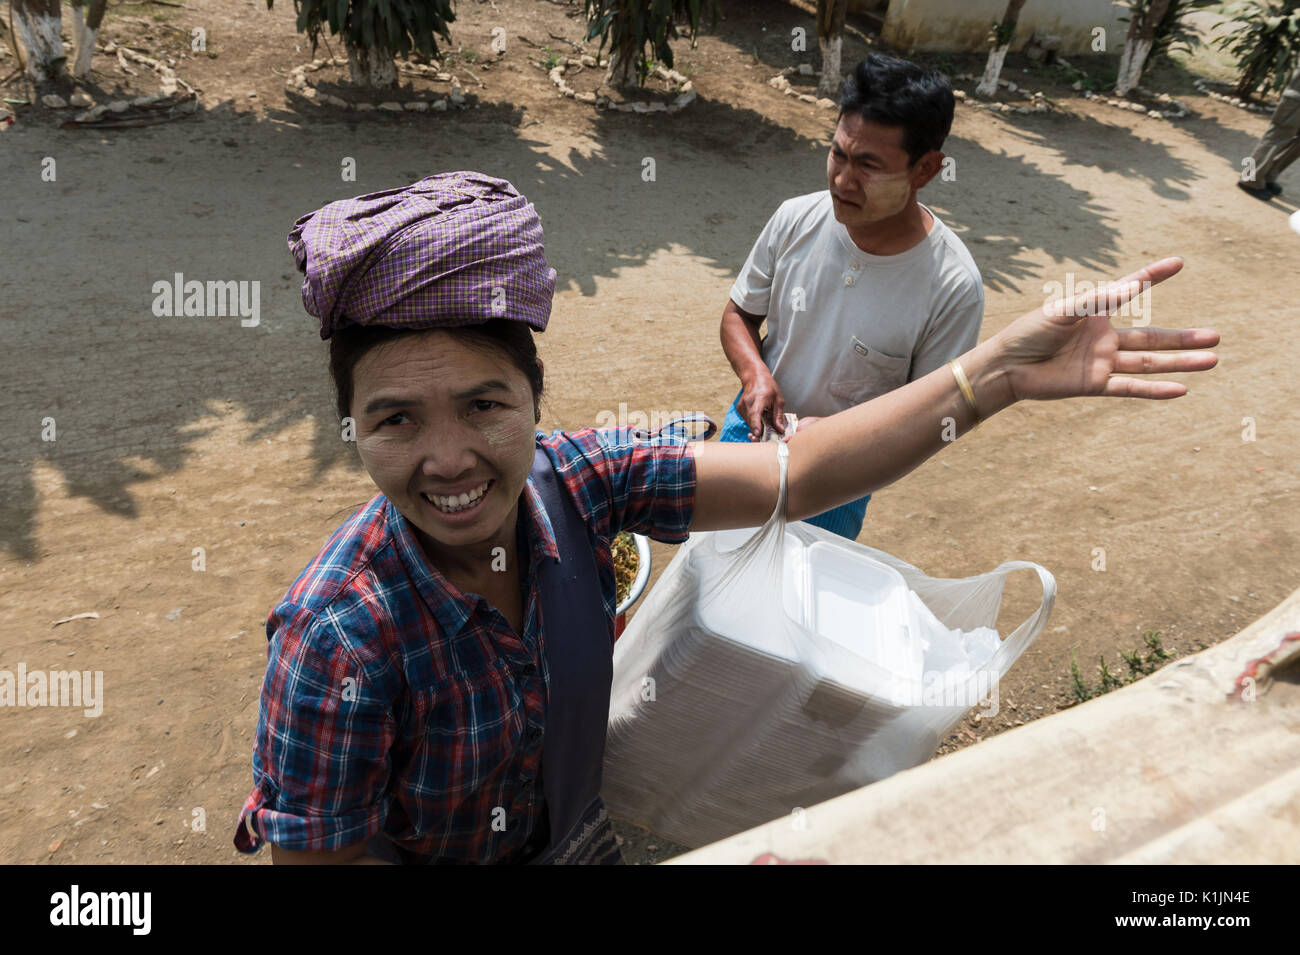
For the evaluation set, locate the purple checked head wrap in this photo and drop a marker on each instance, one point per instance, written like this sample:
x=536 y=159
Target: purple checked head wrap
x=459 y=248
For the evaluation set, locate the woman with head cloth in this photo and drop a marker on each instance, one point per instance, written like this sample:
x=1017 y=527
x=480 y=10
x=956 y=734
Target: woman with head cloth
x=439 y=674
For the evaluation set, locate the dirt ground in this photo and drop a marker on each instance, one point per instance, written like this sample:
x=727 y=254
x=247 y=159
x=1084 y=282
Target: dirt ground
x=178 y=433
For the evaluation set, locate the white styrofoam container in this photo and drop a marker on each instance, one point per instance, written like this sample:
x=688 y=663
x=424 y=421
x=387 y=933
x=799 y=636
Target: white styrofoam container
x=848 y=597
x=723 y=716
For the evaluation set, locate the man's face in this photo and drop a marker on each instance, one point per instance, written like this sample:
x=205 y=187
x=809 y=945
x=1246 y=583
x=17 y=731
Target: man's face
x=436 y=417
x=868 y=171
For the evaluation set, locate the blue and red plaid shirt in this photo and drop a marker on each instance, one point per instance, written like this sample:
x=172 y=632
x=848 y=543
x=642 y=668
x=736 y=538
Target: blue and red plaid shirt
x=394 y=701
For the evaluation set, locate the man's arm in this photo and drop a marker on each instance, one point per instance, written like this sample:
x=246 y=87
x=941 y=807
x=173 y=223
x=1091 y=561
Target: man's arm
x=740 y=340
x=741 y=344
x=739 y=331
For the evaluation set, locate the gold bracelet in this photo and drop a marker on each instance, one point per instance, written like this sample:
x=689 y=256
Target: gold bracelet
x=967 y=392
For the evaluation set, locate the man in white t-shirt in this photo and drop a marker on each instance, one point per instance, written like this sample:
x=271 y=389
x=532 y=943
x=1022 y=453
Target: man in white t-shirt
x=863 y=288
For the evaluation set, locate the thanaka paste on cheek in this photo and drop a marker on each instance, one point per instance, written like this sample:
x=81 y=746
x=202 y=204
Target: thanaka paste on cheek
x=511 y=437
x=885 y=197
x=508 y=432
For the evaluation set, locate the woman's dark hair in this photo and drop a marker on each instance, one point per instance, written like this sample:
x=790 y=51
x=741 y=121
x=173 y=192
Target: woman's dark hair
x=512 y=338
x=894 y=92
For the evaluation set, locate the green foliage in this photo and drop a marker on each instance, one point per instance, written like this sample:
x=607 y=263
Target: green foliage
x=1174 y=33
x=1069 y=73
x=629 y=27
x=1002 y=30
x=1139 y=665
x=944 y=63
x=1109 y=681
x=551 y=59
x=390 y=26
x=1268 y=47
x=1077 y=686
x=1000 y=33
x=1158 y=653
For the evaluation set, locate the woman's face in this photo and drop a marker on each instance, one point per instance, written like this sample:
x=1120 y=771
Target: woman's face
x=435 y=419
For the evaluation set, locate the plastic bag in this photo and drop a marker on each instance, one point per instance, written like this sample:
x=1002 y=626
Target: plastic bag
x=742 y=691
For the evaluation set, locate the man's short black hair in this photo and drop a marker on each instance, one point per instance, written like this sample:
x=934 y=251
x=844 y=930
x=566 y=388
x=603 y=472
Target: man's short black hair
x=894 y=92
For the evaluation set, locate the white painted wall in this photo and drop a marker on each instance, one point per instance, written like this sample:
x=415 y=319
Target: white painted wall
x=963 y=25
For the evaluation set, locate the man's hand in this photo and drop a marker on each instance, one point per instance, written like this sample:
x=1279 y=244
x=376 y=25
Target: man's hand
x=761 y=398
x=759 y=393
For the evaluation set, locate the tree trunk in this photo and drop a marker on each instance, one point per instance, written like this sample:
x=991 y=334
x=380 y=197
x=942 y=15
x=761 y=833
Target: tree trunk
x=1247 y=85
x=84 y=31
x=38 y=24
x=988 y=84
x=371 y=68
x=1137 y=46
x=830 y=41
x=1003 y=34
x=621 y=74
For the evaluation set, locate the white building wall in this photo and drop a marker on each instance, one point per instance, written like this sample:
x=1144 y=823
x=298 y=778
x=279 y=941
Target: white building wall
x=963 y=25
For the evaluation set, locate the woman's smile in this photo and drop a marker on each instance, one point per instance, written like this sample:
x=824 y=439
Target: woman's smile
x=462 y=508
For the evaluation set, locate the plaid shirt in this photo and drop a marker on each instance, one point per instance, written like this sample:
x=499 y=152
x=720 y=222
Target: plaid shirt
x=394 y=701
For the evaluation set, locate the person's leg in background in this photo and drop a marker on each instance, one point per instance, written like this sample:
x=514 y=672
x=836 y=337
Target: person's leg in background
x=1274 y=149
x=1279 y=163
x=845 y=520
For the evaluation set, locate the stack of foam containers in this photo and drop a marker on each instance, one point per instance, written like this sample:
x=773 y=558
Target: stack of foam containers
x=747 y=722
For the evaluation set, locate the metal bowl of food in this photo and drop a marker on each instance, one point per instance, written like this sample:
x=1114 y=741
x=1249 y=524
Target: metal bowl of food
x=631 y=554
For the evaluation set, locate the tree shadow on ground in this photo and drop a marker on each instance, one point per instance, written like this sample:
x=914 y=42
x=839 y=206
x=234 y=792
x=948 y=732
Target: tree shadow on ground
x=133 y=393
x=1111 y=148
x=1003 y=233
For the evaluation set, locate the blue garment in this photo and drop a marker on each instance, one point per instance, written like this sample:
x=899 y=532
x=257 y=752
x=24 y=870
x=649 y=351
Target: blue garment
x=581 y=669
x=845 y=520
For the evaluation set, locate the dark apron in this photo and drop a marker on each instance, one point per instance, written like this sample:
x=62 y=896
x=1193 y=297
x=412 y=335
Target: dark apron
x=578 y=639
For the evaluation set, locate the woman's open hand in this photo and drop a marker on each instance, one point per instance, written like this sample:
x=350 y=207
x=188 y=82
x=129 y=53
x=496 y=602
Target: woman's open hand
x=1068 y=348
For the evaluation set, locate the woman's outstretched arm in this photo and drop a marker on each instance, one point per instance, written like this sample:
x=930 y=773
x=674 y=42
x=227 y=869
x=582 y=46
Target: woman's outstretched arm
x=1065 y=349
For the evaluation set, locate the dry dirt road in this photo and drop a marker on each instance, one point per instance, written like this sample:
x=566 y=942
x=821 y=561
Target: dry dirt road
x=179 y=433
